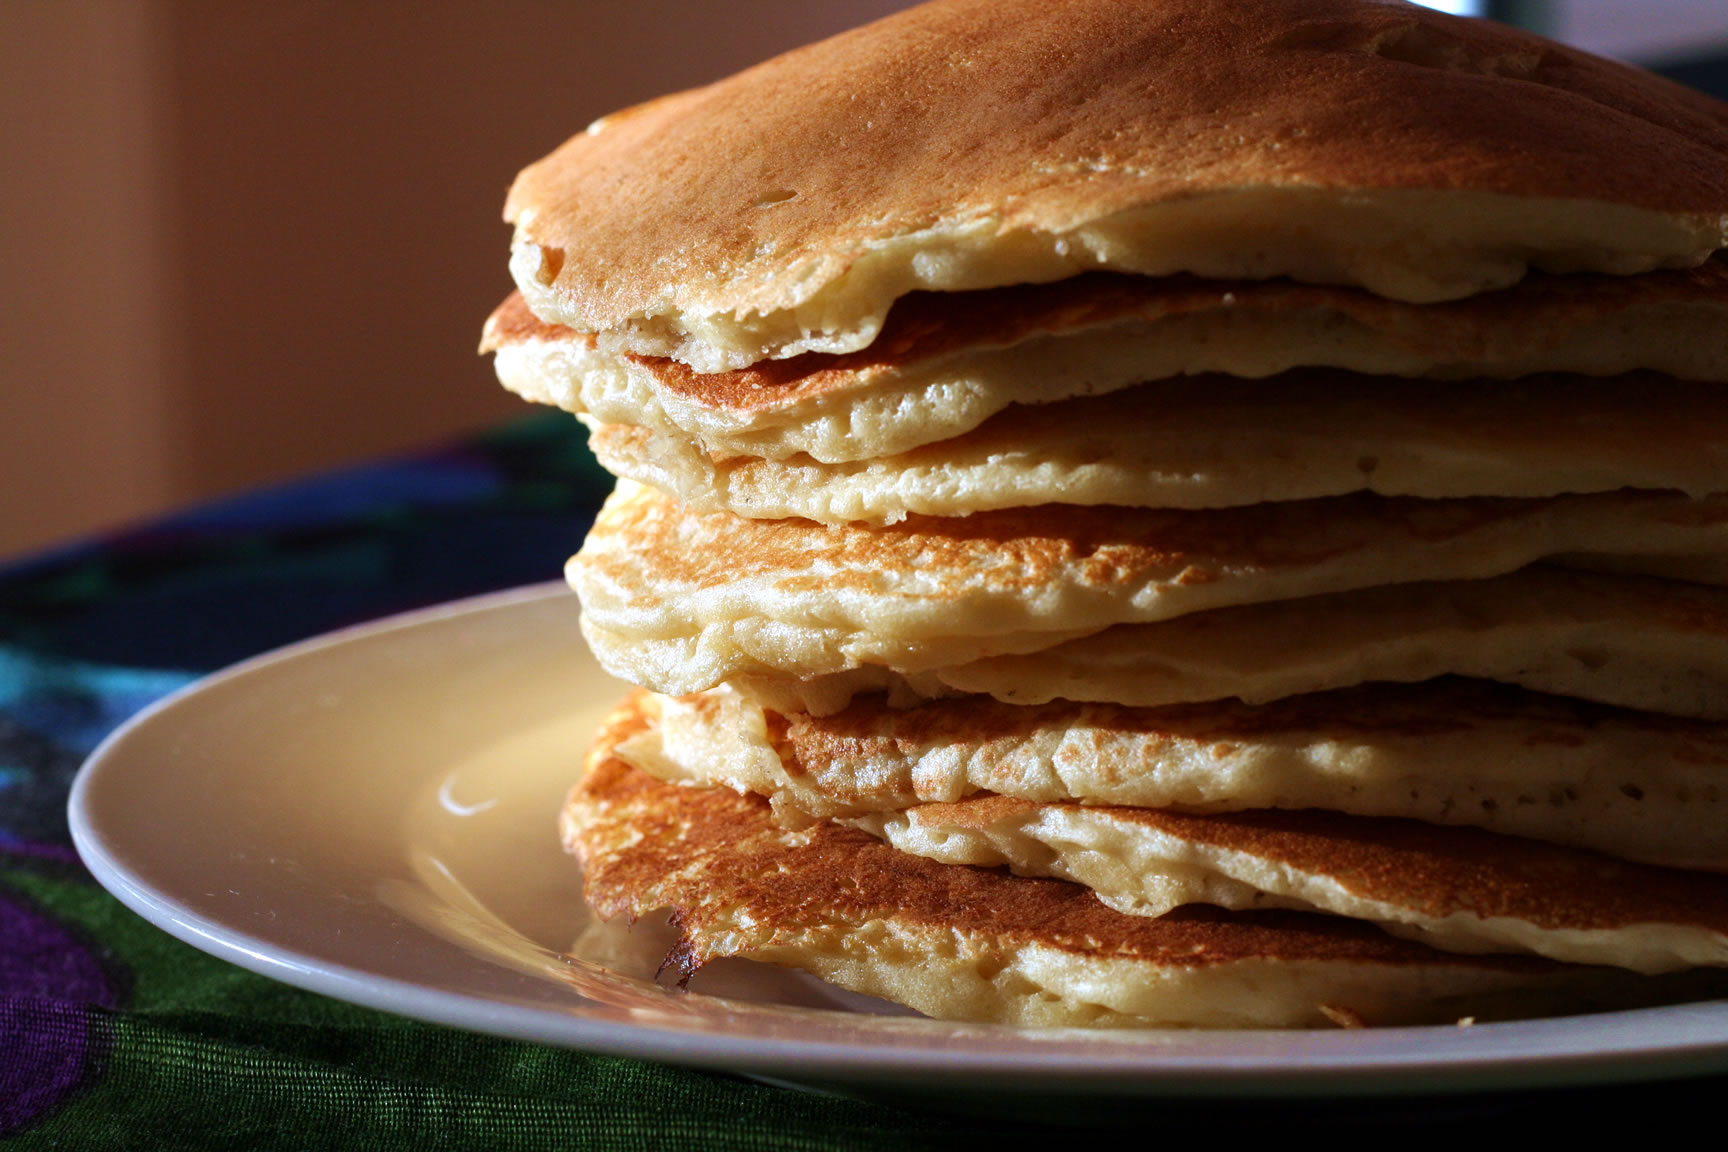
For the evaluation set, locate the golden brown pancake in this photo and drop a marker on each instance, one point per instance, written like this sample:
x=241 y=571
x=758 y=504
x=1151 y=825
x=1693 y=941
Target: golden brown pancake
x=678 y=601
x=947 y=361
x=1216 y=441
x=980 y=945
x=784 y=209
x=1458 y=889
x=1628 y=641
x=1457 y=752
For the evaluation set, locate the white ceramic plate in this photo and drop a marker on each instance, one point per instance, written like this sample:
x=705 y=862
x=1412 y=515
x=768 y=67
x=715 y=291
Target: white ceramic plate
x=371 y=815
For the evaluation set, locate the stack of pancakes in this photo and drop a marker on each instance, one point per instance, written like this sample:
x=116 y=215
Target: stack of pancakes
x=1155 y=512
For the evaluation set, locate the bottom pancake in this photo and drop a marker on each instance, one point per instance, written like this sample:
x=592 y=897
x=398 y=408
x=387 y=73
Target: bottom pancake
x=980 y=945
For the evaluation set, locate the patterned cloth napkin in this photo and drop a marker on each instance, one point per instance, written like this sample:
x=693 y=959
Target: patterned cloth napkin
x=114 y=1035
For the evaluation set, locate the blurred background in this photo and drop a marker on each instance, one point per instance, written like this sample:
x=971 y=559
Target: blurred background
x=245 y=241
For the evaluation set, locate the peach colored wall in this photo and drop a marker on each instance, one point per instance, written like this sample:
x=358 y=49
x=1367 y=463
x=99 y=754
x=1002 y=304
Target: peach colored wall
x=244 y=241
x=83 y=319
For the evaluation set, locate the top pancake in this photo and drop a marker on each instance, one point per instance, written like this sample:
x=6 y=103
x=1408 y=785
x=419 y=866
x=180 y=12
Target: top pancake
x=972 y=143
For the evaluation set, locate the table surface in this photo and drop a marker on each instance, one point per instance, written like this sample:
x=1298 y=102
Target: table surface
x=112 y=1034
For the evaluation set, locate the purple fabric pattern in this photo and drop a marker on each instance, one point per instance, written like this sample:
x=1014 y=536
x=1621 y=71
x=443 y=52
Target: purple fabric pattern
x=47 y=977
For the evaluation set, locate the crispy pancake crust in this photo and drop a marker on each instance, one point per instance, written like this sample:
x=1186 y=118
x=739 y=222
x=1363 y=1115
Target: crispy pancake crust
x=982 y=945
x=970 y=143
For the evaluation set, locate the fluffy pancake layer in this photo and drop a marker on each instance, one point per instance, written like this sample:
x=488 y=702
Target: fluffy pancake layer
x=680 y=601
x=972 y=944
x=946 y=362
x=1215 y=441
x=1621 y=640
x=1454 y=752
x=1151 y=137
x=1457 y=889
